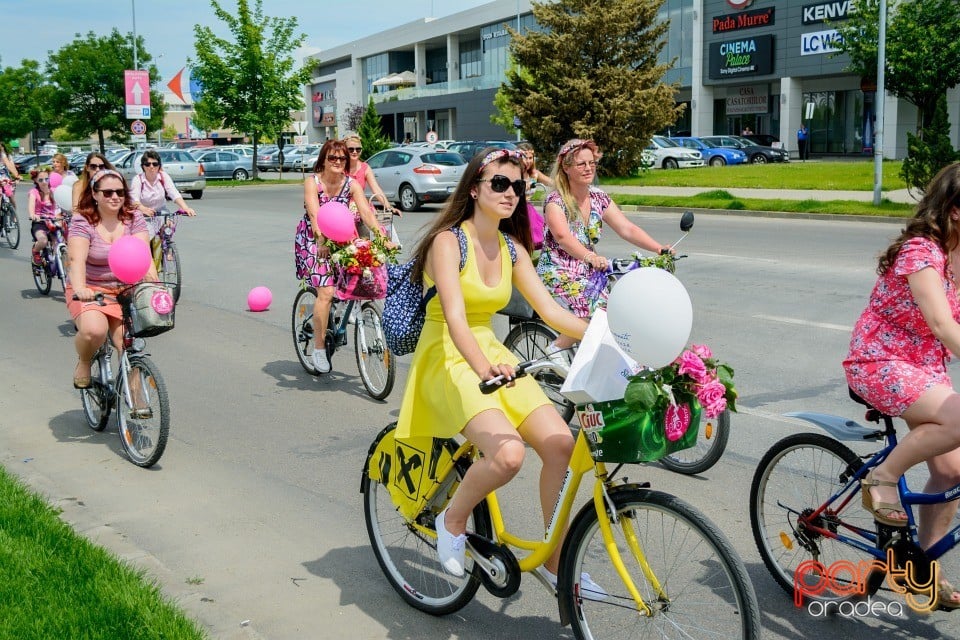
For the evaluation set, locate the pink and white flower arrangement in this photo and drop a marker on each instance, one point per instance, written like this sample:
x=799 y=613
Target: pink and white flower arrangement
x=694 y=374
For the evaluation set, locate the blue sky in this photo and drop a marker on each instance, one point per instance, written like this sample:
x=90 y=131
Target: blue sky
x=31 y=28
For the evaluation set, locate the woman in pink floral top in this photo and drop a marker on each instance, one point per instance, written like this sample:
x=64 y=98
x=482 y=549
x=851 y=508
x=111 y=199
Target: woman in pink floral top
x=898 y=354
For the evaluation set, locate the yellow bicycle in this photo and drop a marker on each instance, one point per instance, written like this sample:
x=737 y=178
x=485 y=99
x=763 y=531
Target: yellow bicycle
x=667 y=570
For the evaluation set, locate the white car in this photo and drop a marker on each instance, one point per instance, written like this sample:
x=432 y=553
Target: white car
x=663 y=153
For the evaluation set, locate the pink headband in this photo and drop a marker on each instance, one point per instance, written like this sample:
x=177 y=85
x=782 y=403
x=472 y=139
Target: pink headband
x=573 y=145
x=103 y=173
x=496 y=155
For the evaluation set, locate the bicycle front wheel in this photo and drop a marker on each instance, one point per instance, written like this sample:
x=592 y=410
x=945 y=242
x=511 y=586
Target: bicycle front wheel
x=374 y=360
x=96 y=399
x=41 y=276
x=407 y=555
x=11 y=225
x=301 y=324
x=688 y=574
x=797 y=476
x=143 y=412
x=711 y=442
x=170 y=273
x=528 y=341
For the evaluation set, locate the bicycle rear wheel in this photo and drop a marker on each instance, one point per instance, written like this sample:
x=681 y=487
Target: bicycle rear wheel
x=96 y=398
x=301 y=324
x=11 y=225
x=795 y=477
x=170 y=273
x=711 y=443
x=374 y=360
x=528 y=340
x=704 y=592
x=41 y=275
x=62 y=266
x=143 y=413
x=406 y=554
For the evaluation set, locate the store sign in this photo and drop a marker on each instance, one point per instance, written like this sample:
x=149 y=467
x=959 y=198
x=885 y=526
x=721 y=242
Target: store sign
x=745 y=20
x=748 y=100
x=820 y=42
x=499 y=33
x=739 y=4
x=817 y=13
x=744 y=56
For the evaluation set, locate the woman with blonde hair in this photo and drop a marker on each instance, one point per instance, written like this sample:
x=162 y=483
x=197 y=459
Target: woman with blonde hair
x=361 y=172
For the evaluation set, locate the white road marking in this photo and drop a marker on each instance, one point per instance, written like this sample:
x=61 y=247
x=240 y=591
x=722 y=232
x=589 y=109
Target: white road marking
x=805 y=323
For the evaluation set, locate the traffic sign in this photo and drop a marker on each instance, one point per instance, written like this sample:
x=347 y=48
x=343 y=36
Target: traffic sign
x=138 y=127
x=432 y=137
x=137 y=93
x=138 y=137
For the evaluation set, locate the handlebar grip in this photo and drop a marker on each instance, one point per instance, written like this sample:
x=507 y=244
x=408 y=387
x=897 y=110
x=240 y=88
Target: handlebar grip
x=98 y=298
x=489 y=386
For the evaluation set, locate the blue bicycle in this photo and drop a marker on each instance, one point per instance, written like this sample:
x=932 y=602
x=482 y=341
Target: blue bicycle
x=53 y=259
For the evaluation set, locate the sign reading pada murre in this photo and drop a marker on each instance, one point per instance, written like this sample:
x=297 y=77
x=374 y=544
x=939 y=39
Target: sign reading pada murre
x=744 y=20
x=741 y=57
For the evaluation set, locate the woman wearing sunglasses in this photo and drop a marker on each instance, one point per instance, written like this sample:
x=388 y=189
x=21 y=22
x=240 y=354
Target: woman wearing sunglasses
x=152 y=189
x=458 y=349
x=104 y=214
x=40 y=207
x=361 y=172
x=575 y=214
x=96 y=161
x=329 y=182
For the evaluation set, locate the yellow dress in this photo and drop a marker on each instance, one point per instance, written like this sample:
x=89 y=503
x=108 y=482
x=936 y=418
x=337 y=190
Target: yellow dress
x=443 y=392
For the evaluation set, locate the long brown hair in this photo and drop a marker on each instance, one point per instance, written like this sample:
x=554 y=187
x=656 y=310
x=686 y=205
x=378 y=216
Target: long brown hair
x=461 y=205
x=84 y=177
x=933 y=219
x=87 y=206
x=331 y=146
x=562 y=183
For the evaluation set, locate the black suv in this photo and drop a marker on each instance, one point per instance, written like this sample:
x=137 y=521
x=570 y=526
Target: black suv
x=473 y=147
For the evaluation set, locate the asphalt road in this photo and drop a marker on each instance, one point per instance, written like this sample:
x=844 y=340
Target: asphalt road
x=252 y=520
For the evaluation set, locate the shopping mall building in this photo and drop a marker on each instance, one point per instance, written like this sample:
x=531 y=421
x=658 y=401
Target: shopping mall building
x=770 y=65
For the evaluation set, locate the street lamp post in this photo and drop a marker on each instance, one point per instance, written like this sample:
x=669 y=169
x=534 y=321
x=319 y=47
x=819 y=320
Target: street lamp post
x=133 y=10
x=878 y=130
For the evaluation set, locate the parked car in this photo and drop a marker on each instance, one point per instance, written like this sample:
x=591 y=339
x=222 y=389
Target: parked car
x=411 y=176
x=712 y=154
x=765 y=140
x=187 y=173
x=664 y=153
x=301 y=158
x=32 y=161
x=224 y=164
x=77 y=162
x=473 y=147
x=755 y=153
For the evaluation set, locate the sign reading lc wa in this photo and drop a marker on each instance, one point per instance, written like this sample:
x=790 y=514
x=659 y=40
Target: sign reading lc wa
x=137 y=93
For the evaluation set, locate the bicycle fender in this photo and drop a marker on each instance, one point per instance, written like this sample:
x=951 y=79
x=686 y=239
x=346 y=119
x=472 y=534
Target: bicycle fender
x=840 y=428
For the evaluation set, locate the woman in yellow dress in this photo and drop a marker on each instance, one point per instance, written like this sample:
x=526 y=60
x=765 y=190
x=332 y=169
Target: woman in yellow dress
x=458 y=349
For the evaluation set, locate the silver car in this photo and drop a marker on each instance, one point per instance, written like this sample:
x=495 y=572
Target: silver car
x=187 y=173
x=411 y=176
x=224 y=164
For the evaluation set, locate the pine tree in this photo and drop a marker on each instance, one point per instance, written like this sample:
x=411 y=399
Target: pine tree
x=370 y=131
x=593 y=72
x=930 y=151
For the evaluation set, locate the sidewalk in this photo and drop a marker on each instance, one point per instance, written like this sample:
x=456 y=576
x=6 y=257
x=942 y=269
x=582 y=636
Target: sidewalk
x=901 y=196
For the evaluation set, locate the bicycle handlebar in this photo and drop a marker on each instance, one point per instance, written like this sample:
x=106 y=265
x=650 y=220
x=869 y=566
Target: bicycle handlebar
x=491 y=385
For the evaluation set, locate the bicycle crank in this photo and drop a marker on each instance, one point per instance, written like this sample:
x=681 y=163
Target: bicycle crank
x=499 y=569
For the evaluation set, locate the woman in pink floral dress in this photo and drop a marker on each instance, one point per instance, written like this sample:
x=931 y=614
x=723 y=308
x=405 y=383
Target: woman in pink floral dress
x=898 y=354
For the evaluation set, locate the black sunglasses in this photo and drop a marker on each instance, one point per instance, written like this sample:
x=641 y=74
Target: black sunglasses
x=151 y=164
x=337 y=158
x=109 y=193
x=96 y=167
x=500 y=183
x=354 y=149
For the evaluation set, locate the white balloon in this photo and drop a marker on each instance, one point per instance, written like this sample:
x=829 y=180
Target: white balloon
x=650 y=316
x=69 y=179
x=63 y=196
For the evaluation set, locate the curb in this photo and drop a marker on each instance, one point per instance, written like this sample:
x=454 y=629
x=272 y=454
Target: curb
x=840 y=217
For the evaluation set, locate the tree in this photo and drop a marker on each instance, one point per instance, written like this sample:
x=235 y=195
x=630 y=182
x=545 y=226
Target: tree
x=353 y=116
x=922 y=49
x=248 y=85
x=27 y=96
x=929 y=153
x=90 y=85
x=370 y=131
x=593 y=73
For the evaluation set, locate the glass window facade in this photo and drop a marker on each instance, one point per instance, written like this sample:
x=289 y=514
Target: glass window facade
x=679 y=40
x=839 y=121
x=471 y=59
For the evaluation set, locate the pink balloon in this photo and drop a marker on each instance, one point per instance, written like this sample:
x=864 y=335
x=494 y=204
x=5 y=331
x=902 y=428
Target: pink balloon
x=129 y=259
x=336 y=222
x=55 y=180
x=259 y=299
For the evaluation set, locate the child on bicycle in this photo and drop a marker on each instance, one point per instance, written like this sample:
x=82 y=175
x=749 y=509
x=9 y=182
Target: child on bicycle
x=458 y=349
x=41 y=208
x=897 y=358
x=575 y=214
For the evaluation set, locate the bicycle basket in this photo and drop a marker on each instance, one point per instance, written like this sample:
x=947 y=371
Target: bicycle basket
x=148 y=307
x=370 y=284
x=616 y=433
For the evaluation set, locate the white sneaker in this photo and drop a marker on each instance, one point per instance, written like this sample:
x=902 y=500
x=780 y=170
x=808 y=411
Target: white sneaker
x=320 y=361
x=451 y=549
x=558 y=358
x=589 y=589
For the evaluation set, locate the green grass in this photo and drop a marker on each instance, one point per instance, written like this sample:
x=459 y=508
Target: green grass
x=820 y=175
x=719 y=199
x=56 y=584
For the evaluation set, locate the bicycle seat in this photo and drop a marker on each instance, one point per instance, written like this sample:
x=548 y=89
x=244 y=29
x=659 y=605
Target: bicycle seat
x=873 y=414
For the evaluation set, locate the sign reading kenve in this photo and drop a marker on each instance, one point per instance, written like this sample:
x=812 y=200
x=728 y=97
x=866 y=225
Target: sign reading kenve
x=824 y=11
x=745 y=20
x=740 y=57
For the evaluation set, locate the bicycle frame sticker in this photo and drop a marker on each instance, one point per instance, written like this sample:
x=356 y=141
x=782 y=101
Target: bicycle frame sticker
x=409 y=468
x=845 y=578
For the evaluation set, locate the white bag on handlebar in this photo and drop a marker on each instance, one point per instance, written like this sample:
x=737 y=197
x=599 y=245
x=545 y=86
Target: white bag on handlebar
x=600 y=369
